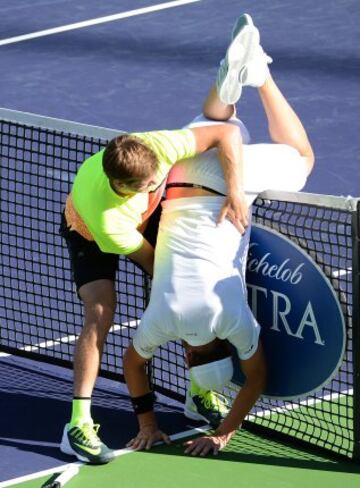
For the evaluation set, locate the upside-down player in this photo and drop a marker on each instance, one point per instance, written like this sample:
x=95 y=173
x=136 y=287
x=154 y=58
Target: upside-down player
x=199 y=290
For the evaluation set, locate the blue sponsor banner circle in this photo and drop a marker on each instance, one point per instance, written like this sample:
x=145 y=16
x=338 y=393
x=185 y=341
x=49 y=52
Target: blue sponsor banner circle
x=302 y=325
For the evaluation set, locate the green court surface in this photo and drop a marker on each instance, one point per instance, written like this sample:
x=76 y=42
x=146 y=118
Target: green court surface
x=248 y=461
x=323 y=423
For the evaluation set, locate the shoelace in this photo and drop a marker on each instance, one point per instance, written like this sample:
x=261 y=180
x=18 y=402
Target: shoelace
x=87 y=434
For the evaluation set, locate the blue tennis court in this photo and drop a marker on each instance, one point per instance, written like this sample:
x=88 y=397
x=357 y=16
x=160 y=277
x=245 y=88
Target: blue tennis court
x=152 y=70
x=139 y=66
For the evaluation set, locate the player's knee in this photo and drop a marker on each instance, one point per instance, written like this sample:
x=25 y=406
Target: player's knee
x=100 y=292
x=99 y=312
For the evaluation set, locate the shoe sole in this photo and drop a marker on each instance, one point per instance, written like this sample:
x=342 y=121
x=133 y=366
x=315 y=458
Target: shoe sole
x=239 y=52
x=247 y=20
x=67 y=449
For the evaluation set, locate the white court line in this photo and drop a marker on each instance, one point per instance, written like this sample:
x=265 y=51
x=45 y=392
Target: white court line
x=342 y=272
x=67 y=339
x=97 y=21
x=119 y=452
x=39 y=474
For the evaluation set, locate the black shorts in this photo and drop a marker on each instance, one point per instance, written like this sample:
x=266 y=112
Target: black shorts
x=88 y=262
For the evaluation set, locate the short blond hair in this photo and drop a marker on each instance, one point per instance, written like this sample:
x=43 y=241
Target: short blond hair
x=128 y=159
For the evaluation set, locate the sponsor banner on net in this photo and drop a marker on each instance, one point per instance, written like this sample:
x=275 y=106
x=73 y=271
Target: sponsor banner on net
x=302 y=325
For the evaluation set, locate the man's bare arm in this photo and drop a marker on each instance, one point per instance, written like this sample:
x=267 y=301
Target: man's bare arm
x=227 y=139
x=144 y=256
x=138 y=385
x=255 y=372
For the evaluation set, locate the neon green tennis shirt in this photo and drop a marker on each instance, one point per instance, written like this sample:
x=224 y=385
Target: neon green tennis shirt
x=111 y=219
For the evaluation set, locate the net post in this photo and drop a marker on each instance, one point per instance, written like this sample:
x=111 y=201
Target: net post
x=356 y=327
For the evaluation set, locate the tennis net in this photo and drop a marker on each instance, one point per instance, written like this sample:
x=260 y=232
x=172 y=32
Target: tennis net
x=41 y=315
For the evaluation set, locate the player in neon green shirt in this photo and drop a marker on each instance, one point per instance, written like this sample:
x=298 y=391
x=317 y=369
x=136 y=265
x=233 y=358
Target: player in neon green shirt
x=112 y=219
x=113 y=195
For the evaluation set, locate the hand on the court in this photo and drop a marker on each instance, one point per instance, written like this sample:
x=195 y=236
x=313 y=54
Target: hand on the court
x=146 y=437
x=236 y=209
x=204 y=445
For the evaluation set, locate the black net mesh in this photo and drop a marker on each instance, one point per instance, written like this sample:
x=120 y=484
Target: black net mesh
x=324 y=419
x=41 y=315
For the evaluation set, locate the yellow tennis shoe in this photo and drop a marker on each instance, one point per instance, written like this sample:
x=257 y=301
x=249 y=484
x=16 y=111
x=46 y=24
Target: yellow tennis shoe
x=205 y=405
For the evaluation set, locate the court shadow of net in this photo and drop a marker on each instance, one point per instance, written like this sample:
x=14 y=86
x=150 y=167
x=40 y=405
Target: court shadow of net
x=246 y=447
x=35 y=402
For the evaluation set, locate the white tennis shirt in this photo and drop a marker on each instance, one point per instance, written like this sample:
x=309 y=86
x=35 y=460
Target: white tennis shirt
x=199 y=289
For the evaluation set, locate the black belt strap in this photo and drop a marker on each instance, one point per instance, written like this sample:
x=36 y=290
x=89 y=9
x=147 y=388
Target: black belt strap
x=192 y=185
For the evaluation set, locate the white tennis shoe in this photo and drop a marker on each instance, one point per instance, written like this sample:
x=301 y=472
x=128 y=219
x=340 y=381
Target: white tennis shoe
x=245 y=63
x=256 y=71
x=231 y=73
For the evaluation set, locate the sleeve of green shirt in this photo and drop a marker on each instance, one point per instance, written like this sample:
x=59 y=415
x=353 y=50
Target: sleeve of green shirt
x=170 y=145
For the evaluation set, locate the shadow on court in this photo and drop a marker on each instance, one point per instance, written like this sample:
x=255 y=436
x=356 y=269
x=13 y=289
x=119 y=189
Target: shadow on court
x=35 y=404
x=246 y=447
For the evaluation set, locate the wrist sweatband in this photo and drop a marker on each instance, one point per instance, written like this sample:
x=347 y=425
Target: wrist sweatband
x=144 y=403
